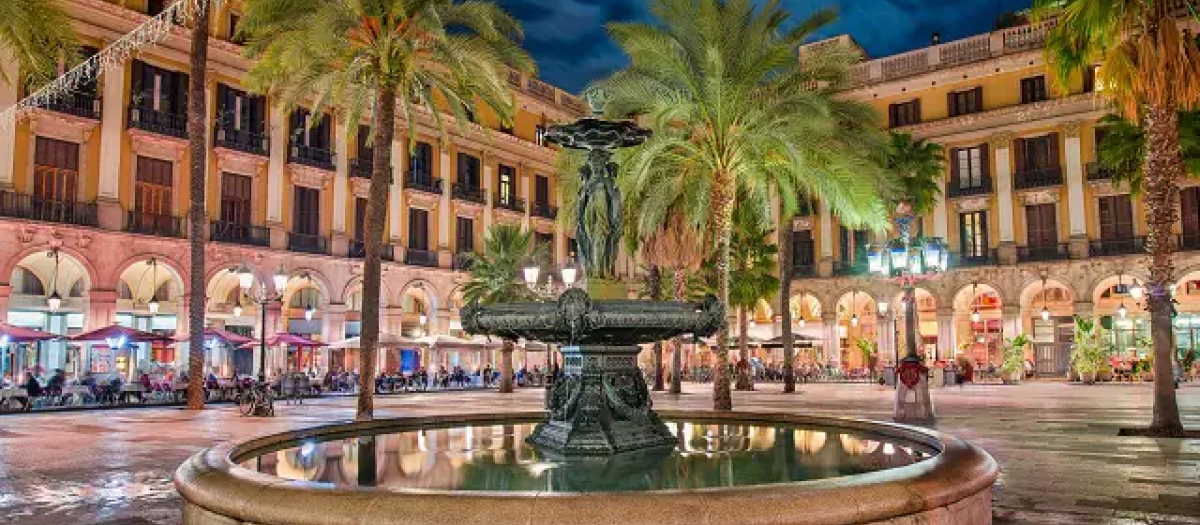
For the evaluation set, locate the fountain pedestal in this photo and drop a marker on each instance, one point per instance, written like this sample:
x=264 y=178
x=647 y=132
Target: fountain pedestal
x=601 y=405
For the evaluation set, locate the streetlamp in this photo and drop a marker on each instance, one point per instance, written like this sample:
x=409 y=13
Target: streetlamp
x=262 y=297
x=54 y=301
x=908 y=261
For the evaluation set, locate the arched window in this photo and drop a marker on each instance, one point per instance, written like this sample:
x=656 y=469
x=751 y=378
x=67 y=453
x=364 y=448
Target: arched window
x=123 y=290
x=76 y=289
x=26 y=282
x=305 y=297
x=164 y=291
x=412 y=304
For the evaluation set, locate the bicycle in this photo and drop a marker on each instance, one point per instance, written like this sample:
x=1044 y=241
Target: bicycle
x=256 y=400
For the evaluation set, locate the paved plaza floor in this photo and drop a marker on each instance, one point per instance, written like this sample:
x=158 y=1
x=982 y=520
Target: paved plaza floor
x=1057 y=443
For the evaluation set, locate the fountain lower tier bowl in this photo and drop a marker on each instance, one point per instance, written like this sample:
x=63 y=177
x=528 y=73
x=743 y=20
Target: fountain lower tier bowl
x=744 y=468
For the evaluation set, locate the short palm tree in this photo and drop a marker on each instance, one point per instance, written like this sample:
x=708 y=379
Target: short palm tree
x=38 y=35
x=495 y=279
x=719 y=83
x=916 y=166
x=753 y=278
x=382 y=56
x=1151 y=71
x=1123 y=148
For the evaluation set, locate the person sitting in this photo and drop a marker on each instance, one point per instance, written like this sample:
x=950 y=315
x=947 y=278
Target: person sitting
x=33 y=389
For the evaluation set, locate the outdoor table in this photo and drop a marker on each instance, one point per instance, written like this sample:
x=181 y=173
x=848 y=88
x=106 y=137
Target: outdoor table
x=14 y=394
x=129 y=390
x=178 y=390
x=77 y=393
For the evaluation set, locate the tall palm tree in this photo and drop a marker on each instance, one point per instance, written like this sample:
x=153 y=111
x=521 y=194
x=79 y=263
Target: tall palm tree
x=1151 y=71
x=197 y=214
x=719 y=83
x=38 y=34
x=1123 y=148
x=414 y=56
x=494 y=279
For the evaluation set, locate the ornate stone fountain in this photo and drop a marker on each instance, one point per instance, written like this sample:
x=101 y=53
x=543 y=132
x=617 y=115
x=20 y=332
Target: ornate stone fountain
x=601 y=406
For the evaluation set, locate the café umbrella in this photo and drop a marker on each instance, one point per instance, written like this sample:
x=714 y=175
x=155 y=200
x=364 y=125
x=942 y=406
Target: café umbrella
x=117 y=336
x=287 y=341
x=10 y=334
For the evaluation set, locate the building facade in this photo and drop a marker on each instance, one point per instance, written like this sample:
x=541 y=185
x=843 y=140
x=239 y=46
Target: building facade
x=1033 y=223
x=93 y=198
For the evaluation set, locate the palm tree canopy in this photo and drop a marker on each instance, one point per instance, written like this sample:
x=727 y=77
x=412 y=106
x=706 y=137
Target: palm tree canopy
x=719 y=83
x=434 y=54
x=495 y=273
x=918 y=164
x=1123 y=148
x=1147 y=57
x=38 y=34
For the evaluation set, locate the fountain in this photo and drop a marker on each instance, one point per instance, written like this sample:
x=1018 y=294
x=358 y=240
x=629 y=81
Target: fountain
x=600 y=453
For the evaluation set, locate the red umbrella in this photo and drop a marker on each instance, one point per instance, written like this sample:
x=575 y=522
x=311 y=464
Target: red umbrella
x=17 y=334
x=224 y=335
x=115 y=332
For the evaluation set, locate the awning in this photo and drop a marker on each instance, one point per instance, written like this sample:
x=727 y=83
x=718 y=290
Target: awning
x=385 y=340
x=121 y=333
x=217 y=333
x=17 y=334
x=286 y=340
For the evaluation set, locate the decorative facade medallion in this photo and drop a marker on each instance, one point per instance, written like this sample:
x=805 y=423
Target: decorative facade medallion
x=310 y=177
x=146 y=144
x=972 y=204
x=1106 y=188
x=60 y=126
x=1001 y=140
x=242 y=163
x=802 y=223
x=1031 y=198
x=1071 y=130
x=420 y=199
x=362 y=187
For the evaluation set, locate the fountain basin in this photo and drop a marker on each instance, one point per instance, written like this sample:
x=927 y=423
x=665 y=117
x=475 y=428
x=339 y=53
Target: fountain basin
x=949 y=482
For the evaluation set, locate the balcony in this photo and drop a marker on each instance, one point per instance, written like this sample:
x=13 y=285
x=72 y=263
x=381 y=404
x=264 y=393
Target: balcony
x=239 y=233
x=418 y=257
x=849 y=268
x=1049 y=252
x=306 y=243
x=955 y=191
x=1039 y=178
x=1096 y=172
x=358 y=250
x=468 y=193
x=154 y=224
x=545 y=211
x=245 y=141
x=463 y=260
x=159 y=122
x=972 y=260
x=423 y=182
x=804 y=270
x=362 y=168
x=34 y=208
x=511 y=203
x=320 y=158
x=1188 y=242
x=1126 y=246
x=79 y=104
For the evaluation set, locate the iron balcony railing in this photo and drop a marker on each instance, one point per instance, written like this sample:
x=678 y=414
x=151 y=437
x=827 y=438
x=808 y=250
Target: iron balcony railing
x=1188 y=242
x=307 y=243
x=804 y=270
x=1120 y=246
x=511 y=202
x=970 y=259
x=34 y=208
x=362 y=167
x=358 y=250
x=246 y=141
x=544 y=210
x=239 y=233
x=77 y=103
x=971 y=190
x=423 y=182
x=468 y=193
x=419 y=257
x=154 y=224
x=1047 y=252
x=1039 y=178
x=1095 y=171
x=160 y=122
x=321 y=158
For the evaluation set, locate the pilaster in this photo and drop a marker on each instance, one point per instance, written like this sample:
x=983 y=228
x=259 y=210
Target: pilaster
x=395 y=192
x=8 y=130
x=1002 y=144
x=825 y=263
x=341 y=177
x=275 y=168
x=108 y=190
x=1076 y=205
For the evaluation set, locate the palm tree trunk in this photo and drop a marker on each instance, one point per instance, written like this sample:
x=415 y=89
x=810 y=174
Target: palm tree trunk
x=383 y=127
x=506 y=367
x=785 y=301
x=680 y=285
x=197 y=219
x=723 y=202
x=1164 y=167
x=745 y=371
x=654 y=286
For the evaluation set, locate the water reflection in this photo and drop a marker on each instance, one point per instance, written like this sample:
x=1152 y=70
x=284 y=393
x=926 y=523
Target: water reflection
x=496 y=458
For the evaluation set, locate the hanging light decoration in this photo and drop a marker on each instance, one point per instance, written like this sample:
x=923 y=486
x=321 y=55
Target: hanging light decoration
x=975 y=298
x=308 y=312
x=854 y=320
x=1122 y=311
x=1136 y=291
x=802 y=322
x=237 y=308
x=1045 y=310
x=153 y=304
x=54 y=301
x=975 y=317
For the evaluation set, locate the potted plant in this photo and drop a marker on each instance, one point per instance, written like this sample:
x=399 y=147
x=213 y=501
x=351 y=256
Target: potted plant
x=1012 y=369
x=870 y=353
x=1088 y=356
x=1186 y=362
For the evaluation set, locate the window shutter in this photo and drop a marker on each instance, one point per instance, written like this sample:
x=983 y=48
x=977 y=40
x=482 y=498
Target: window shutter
x=977 y=104
x=955 y=180
x=1053 y=149
x=985 y=163
x=916 y=111
x=138 y=82
x=951 y=107
x=179 y=99
x=1019 y=150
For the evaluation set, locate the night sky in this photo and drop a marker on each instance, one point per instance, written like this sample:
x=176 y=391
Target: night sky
x=571 y=46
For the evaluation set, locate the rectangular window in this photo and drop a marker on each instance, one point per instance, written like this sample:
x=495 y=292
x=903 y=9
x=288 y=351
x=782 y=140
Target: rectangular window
x=1116 y=217
x=853 y=244
x=973 y=234
x=1091 y=77
x=1189 y=204
x=541 y=190
x=904 y=113
x=420 y=162
x=153 y=187
x=363 y=143
x=802 y=248
x=154 y=7
x=539 y=135
x=240 y=111
x=468 y=171
x=464 y=233
x=306 y=211
x=360 y=218
x=1041 y=225
x=307 y=131
x=418 y=229
x=235 y=198
x=1036 y=153
x=158 y=89
x=506 y=188
x=56 y=170
x=965 y=102
x=969 y=166
x=234 y=20
x=1033 y=89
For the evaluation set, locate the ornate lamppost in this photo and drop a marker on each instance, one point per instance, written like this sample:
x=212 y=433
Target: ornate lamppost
x=262 y=297
x=908 y=261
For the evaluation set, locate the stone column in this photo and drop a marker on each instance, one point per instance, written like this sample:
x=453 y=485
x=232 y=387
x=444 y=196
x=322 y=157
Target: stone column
x=526 y=191
x=486 y=160
x=395 y=192
x=275 y=168
x=445 y=221
x=1075 y=199
x=885 y=338
x=1085 y=309
x=102 y=309
x=1011 y=320
x=8 y=130
x=833 y=343
x=825 y=263
x=1001 y=145
x=333 y=328
x=112 y=135
x=947 y=338
x=339 y=243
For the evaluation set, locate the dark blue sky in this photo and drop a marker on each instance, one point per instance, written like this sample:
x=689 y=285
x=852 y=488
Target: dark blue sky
x=568 y=39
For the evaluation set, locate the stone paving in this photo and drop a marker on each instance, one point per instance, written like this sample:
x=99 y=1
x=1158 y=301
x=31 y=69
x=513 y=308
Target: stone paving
x=1062 y=460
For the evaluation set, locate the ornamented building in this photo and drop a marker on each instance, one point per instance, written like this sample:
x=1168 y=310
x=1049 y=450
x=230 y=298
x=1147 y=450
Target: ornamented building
x=93 y=197
x=1034 y=224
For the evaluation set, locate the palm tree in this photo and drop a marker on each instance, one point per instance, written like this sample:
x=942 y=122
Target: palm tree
x=197 y=218
x=752 y=276
x=38 y=35
x=916 y=166
x=1123 y=148
x=1151 y=71
x=494 y=279
x=677 y=247
x=380 y=56
x=719 y=83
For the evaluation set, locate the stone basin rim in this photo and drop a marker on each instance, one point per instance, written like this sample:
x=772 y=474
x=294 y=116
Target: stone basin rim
x=212 y=483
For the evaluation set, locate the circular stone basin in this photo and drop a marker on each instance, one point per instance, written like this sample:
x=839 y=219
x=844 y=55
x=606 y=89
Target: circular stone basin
x=728 y=467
